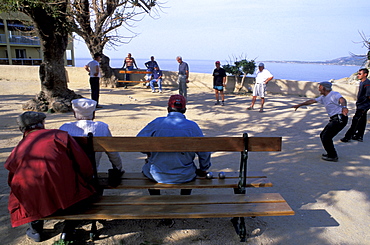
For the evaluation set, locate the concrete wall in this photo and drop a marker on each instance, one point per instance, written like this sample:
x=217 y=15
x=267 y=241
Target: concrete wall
x=292 y=87
x=197 y=80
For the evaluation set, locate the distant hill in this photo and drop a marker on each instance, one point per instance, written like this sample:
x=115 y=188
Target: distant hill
x=344 y=61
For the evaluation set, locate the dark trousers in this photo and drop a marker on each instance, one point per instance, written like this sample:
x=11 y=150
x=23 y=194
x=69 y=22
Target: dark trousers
x=154 y=192
x=37 y=226
x=94 y=85
x=358 y=125
x=334 y=126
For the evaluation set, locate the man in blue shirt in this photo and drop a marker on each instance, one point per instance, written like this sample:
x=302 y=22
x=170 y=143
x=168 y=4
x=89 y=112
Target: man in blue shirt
x=151 y=64
x=174 y=167
x=156 y=78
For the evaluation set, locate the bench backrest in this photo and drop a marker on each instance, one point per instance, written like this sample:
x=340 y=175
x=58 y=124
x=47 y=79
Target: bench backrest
x=182 y=144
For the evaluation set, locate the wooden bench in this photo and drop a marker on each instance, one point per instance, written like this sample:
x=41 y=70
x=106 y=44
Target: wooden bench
x=132 y=72
x=237 y=204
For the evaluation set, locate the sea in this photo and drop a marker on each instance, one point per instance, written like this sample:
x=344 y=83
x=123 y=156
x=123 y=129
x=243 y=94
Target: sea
x=289 y=71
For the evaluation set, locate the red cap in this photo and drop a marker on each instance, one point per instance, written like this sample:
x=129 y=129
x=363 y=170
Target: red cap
x=177 y=101
x=217 y=62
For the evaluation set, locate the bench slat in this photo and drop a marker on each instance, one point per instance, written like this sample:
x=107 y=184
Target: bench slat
x=190 y=200
x=185 y=144
x=196 y=184
x=138 y=175
x=123 y=81
x=135 y=72
x=181 y=211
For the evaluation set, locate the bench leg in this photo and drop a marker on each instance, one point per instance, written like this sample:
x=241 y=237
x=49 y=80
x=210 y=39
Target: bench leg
x=240 y=228
x=93 y=231
x=239 y=191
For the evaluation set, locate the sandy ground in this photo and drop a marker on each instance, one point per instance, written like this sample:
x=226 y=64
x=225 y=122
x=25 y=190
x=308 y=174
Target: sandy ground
x=331 y=200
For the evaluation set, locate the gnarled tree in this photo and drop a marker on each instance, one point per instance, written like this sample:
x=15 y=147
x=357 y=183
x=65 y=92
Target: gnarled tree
x=97 y=22
x=240 y=67
x=50 y=21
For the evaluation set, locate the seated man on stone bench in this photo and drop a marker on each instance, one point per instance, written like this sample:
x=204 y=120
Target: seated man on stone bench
x=174 y=167
x=156 y=78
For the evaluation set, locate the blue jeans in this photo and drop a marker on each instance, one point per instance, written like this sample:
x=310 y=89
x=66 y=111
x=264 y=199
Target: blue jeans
x=129 y=68
x=159 y=82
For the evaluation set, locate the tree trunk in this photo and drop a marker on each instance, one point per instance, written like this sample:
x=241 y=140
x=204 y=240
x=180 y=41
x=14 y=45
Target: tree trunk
x=238 y=83
x=54 y=95
x=108 y=79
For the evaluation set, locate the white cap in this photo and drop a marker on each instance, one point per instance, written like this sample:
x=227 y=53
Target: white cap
x=84 y=108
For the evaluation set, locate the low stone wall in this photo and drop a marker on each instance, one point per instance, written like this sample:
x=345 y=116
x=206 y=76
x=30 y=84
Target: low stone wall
x=197 y=80
x=292 y=87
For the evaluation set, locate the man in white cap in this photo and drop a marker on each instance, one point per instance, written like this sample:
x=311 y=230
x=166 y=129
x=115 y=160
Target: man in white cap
x=263 y=76
x=84 y=112
x=336 y=107
x=49 y=173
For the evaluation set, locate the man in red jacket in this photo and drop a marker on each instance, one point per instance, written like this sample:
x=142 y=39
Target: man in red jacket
x=48 y=173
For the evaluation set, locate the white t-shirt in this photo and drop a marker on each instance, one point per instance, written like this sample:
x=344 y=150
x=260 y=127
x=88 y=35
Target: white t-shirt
x=331 y=103
x=92 y=66
x=261 y=76
x=99 y=129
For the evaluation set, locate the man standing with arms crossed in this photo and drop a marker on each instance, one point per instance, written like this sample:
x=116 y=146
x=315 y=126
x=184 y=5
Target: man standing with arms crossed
x=357 y=129
x=263 y=76
x=93 y=69
x=183 y=76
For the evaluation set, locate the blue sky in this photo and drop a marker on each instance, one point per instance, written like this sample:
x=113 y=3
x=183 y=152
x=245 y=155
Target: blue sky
x=314 y=30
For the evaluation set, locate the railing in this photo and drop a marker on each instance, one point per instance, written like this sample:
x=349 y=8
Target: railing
x=25 y=61
x=25 y=40
x=30 y=62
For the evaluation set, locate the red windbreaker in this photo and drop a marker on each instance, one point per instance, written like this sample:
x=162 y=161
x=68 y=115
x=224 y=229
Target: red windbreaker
x=48 y=171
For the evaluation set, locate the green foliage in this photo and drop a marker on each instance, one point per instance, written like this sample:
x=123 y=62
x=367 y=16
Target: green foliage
x=63 y=242
x=240 y=67
x=232 y=69
x=54 y=10
x=247 y=67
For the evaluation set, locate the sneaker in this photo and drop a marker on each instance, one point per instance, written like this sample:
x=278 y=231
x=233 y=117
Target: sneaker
x=217 y=103
x=360 y=139
x=261 y=110
x=153 y=91
x=331 y=159
x=35 y=236
x=250 y=108
x=160 y=91
x=345 y=140
x=222 y=103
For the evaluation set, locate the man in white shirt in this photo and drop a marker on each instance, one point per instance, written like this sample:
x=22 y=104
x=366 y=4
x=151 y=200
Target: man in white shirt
x=263 y=76
x=84 y=112
x=93 y=69
x=336 y=107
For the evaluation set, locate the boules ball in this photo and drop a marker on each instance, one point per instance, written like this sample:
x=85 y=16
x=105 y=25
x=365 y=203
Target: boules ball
x=221 y=175
x=209 y=175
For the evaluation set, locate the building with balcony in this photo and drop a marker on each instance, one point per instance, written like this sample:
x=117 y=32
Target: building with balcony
x=19 y=45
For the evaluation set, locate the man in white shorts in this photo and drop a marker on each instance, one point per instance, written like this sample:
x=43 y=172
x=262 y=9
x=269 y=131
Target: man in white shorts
x=263 y=76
